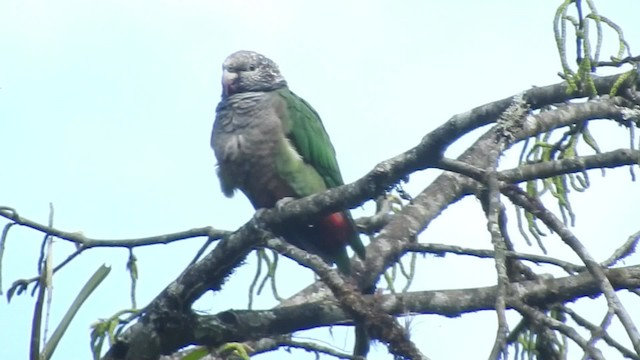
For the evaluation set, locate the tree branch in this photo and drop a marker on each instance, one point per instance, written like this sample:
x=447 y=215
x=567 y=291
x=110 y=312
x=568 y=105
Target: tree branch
x=150 y=337
x=443 y=249
x=536 y=208
x=243 y=325
x=547 y=169
x=87 y=243
x=379 y=326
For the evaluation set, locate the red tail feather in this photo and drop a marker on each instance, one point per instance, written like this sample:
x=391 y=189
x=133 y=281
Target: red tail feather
x=336 y=230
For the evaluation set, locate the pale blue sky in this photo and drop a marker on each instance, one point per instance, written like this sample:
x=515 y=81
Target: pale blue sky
x=106 y=111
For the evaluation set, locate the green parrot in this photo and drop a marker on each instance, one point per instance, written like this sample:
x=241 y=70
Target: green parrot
x=271 y=145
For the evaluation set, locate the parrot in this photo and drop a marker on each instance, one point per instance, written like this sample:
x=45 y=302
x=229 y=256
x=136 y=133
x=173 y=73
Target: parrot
x=271 y=145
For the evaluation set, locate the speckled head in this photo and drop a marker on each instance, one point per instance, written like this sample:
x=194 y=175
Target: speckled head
x=248 y=71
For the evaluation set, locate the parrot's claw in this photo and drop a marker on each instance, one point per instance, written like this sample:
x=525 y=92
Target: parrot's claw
x=258 y=218
x=284 y=201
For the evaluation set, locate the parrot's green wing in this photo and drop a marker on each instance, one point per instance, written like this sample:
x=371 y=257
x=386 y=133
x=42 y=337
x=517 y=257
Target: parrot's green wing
x=306 y=133
x=304 y=129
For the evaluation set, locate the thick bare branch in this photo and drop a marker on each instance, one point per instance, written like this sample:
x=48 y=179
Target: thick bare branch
x=242 y=325
x=147 y=339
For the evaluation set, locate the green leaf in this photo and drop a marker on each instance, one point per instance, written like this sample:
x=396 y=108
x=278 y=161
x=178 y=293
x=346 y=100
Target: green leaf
x=88 y=288
x=196 y=354
x=234 y=350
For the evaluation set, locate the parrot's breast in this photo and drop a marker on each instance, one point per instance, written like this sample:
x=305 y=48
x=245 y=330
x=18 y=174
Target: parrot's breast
x=246 y=139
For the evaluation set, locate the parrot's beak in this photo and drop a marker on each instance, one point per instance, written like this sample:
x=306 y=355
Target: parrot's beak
x=228 y=82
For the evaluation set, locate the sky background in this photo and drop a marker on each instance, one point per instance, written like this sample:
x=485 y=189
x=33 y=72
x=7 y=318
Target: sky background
x=106 y=111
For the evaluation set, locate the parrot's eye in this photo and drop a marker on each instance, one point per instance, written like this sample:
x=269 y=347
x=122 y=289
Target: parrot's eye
x=252 y=67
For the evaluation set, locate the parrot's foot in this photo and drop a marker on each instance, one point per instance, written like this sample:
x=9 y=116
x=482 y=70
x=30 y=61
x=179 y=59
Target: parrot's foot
x=257 y=218
x=284 y=201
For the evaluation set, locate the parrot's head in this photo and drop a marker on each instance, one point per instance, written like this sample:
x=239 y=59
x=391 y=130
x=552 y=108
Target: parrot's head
x=246 y=71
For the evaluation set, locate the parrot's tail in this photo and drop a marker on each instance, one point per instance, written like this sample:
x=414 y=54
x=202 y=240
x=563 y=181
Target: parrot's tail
x=363 y=340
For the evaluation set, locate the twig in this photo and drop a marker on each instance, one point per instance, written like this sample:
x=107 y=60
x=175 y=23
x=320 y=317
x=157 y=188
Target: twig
x=36 y=322
x=84 y=243
x=628 y=60
x=542 y=319
x=526 y=172
x=384 y=213
x=87 y=243
x=512 y=118
x=318 y=349
x=443 y=249
x=3 y=240
x=493 y=194
x=594 y=329
x=47 y=269
x=599 y=331
x=623 y=251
